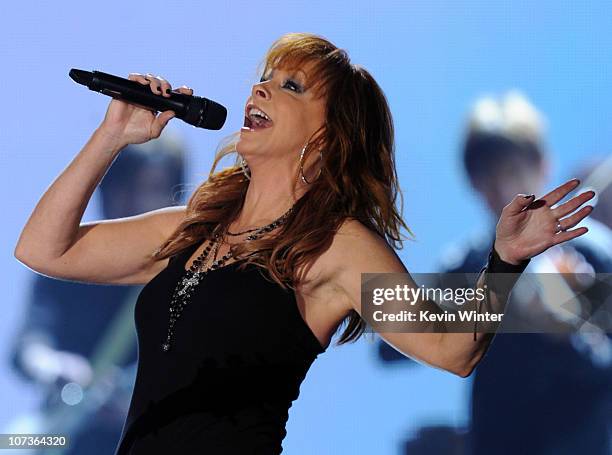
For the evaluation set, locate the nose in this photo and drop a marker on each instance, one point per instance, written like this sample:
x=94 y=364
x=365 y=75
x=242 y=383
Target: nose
x=261 y=91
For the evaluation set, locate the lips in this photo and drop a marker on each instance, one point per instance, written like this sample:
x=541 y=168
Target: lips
x=256 y=119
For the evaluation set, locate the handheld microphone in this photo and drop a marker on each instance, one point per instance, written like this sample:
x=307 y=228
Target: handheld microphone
x=195 y=110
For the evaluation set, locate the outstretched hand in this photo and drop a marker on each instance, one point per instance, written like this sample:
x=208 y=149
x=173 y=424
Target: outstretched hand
x=528 y=227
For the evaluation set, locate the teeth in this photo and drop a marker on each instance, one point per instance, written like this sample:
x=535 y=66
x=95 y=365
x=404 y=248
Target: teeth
x=254 y=111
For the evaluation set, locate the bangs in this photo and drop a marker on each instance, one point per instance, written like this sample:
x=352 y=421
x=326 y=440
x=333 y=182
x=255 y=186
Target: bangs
x=295 y=51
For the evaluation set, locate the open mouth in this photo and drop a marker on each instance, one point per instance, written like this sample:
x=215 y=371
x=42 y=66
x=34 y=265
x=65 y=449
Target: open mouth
x=256 y=119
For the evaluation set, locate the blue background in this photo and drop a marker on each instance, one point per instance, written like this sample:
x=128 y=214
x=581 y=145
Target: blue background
x=432 y=59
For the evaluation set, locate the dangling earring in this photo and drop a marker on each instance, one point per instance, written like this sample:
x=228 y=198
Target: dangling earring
x=245 y=167
x=302 y=165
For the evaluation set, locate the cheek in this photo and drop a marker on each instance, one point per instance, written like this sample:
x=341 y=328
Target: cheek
x=298 y=123
x=310 y=121
x=317 y=116
x=294 y=122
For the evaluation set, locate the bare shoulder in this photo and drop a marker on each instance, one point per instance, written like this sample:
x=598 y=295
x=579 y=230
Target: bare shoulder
x=355 y=249
x=330 y=287
x=359 y=249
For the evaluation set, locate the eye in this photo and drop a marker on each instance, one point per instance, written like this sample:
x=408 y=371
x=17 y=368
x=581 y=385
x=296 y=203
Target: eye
x=293 y=86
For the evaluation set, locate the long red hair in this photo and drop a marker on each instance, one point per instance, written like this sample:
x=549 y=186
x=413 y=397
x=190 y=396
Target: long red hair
x=358 y=178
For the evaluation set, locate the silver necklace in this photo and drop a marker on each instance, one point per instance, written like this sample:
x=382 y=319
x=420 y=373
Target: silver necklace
x=192 y=277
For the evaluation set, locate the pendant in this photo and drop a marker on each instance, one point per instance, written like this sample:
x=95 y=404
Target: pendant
x=186 y=283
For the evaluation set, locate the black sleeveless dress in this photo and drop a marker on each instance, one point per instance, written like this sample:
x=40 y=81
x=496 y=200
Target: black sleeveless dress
x=240 y=351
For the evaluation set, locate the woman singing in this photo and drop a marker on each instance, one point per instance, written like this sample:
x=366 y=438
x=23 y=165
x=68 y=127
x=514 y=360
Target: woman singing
x=246 y=285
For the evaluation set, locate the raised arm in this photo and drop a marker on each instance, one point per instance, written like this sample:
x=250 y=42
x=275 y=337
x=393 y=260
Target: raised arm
x=526 y=228
x=55 y=243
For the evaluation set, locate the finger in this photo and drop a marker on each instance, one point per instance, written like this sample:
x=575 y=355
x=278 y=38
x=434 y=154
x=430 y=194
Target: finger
x=572 y=204
x=569 y=235
x=184 y=89
x=160 y=122
x=519 y=202
x=165 y=86
x=138 y=78
x=155 y=83
x=576 y=218
x=560 y=192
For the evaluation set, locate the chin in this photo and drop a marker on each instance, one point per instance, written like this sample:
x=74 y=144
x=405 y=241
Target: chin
x=243 y=146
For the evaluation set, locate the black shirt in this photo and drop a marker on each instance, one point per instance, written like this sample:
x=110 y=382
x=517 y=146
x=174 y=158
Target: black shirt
x=240 y=351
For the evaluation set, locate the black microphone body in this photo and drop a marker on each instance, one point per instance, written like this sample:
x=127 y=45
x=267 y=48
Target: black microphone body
x=195 y=110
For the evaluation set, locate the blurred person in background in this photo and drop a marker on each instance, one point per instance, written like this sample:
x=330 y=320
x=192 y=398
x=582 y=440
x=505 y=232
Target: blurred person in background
x=552 y=401
x=533 y=393
x=64 y=342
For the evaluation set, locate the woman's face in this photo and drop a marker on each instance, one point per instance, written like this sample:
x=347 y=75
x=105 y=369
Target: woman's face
x=281 y=114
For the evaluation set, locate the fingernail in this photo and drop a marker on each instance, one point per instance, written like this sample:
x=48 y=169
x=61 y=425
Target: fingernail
x=529 y=197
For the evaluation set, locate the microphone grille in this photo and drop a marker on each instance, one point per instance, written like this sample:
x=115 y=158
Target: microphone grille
x=213 y=116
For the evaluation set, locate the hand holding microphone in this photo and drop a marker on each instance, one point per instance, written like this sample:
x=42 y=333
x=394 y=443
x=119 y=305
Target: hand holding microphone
x=134 y=124
x=131 y=116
